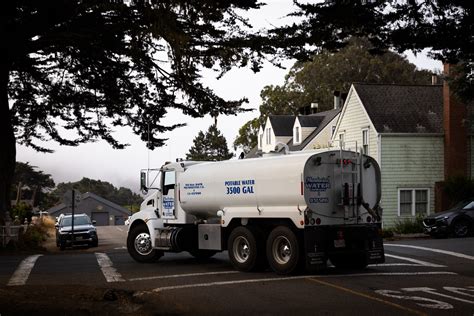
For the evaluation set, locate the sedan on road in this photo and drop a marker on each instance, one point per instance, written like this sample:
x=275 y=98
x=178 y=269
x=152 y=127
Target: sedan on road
x=84 y=231
x=458 y=221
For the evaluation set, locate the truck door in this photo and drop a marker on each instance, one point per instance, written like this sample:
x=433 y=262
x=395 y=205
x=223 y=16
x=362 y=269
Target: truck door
x=168 y=185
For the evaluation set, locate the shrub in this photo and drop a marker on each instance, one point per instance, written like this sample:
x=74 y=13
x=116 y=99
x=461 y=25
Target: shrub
x=387 y=233
x=22 y=210
x=409 y=225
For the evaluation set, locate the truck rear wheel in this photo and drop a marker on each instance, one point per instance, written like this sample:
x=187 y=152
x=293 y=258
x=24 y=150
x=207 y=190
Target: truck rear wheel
x=246 y=251
x=283 y=250
x=139 y=245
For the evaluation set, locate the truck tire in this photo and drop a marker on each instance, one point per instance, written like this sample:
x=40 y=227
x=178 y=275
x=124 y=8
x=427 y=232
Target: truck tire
x=283 y=250
x=202 y=254
x=460 y=228
x=246 y=249
x=139 y=245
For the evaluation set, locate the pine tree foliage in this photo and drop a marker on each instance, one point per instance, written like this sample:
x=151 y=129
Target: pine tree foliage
x=73 y=70
x=443 y=27
x=211 y=146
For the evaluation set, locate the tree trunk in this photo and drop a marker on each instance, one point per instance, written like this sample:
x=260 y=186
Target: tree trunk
x=18 y=193
x=7 y=145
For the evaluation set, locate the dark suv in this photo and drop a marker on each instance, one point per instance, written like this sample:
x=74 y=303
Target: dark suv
x=458 y=221
x=85 y=232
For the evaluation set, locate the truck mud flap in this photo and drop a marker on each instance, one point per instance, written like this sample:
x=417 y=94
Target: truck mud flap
x=315 y=249
x=342 y=241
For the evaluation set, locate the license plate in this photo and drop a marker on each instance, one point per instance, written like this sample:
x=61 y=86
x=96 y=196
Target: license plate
x=78 y=237
x=339 y=243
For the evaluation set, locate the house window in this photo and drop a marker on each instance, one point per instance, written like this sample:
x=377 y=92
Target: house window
x=413 y=202
x=365 y=141
x=269 y=136
x=333 y=130
x=297 y=134
x=260 y=140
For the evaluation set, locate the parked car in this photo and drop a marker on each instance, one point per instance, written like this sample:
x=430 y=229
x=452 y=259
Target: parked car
x=457 y=221
x=85 y=232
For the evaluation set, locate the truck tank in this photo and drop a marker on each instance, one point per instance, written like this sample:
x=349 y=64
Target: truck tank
x=294 y=181
x=264 y=182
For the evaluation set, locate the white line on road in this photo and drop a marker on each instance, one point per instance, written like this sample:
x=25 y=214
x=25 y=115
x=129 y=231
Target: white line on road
x=394 y=264
x=182 y=275
x=21 y=274
x=119 y=229
x=210 y=284
x=120 y=248
x=446 y=252
x=433 y=292
x=418 y=262
x=110 y=273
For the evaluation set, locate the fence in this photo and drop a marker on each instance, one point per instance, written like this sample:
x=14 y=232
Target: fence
x=11 y=232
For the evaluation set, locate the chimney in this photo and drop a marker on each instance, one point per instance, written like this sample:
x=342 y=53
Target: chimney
x=455 y=132
x=337 y=100
x=314 y=107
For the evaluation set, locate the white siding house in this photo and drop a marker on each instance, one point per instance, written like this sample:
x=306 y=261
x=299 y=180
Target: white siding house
x=401 y=127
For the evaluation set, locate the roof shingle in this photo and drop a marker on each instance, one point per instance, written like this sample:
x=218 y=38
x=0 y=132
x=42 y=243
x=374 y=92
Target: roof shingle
x=403 y=108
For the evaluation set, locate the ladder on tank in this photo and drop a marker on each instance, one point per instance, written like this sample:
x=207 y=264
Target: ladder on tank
x=350 y=191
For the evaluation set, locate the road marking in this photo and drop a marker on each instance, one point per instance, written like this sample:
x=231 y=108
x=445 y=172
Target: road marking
x=373 y=298
x=418 y=262
x=21 y=274
x=446 y=252
x=120 y=248
x=120 y=229
x=209 y=284
x=394 y=264
x=110 y=273
x=433 y=292
x=182 y=275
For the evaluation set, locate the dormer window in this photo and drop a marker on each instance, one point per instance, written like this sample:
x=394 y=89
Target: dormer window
x=269 y=136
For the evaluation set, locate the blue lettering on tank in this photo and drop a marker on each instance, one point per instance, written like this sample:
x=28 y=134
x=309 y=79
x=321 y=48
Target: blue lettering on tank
x=235 y=187
x=317 y=184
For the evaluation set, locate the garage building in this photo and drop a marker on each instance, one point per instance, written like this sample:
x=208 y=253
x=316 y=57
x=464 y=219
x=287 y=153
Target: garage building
x=103 y=211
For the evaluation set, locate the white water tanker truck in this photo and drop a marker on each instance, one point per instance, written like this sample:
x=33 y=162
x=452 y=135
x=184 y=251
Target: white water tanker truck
x=287 y=211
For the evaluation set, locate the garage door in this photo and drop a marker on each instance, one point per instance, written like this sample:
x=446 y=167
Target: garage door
x=102 y=219
x=119 y=220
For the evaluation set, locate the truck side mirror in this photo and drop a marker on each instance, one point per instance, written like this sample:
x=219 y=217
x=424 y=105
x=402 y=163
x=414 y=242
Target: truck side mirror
x=143 y=186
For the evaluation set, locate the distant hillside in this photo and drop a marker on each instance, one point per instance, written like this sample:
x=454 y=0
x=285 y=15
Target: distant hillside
x=121 y=196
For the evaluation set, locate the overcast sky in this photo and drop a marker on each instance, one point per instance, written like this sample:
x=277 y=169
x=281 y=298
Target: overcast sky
x=121 y=167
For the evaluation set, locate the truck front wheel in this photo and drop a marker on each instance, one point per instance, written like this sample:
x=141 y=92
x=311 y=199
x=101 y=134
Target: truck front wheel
x=283 y=250
x=246 y=251
x=139 y=245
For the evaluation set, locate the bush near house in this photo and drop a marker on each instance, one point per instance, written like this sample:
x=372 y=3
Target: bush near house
x=409 y=225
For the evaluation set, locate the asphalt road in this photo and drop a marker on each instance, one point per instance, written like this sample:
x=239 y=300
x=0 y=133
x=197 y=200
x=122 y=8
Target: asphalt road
x=421 y=277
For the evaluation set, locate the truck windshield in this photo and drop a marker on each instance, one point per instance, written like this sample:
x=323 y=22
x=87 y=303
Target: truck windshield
x=170 y=178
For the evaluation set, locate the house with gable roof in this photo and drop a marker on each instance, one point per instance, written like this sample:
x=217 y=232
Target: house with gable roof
x=101 y=210
x=401 y=126
x=302 y=132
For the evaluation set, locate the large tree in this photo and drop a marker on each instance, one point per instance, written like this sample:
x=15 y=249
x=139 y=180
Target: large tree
x=444 y=27
x=316 y=80
x=247 y=137
x=211 y=146
x=29 y=181
x=71 y=70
